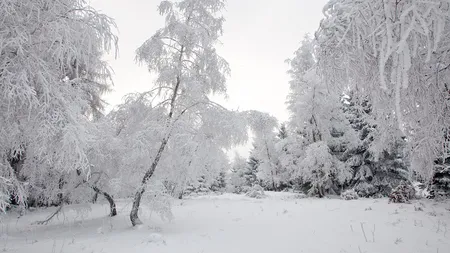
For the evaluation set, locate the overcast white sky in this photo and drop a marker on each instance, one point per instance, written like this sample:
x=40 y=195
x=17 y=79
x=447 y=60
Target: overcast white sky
x=258 y=36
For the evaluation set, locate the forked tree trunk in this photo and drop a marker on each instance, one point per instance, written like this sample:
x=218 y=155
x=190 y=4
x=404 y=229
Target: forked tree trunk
x=109 y=198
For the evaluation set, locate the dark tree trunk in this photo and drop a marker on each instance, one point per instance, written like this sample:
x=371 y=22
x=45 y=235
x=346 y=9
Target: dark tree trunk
x=274 y=186
x=112 y=204
x=135 y=209
x=321 y=192
x=94 y=199
x=109 y=198
x=134 y=217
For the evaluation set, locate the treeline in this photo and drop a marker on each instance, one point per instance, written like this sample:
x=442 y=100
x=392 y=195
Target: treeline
x=369 y=104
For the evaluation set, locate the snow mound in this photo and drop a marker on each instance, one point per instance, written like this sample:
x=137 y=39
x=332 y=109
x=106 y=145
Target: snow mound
x=256 y=192
x=156 y=238
x=349 y=195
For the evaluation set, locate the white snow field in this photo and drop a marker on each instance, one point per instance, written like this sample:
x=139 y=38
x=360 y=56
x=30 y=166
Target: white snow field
x=231 y=223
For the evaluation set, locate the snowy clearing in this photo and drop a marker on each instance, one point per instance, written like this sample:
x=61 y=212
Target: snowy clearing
x=234 y=223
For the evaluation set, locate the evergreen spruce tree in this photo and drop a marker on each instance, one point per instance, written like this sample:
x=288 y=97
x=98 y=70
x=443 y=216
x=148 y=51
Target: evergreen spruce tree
x=219 y=183
x=251 y=171
x=377 y=167
x=283 y=147
x=441 y=178
x=236 y=181
x=282 y=132
x=440 y=183
x=317 y=115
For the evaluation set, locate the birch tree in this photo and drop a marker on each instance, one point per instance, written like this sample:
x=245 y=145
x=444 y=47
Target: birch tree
x=188 y=70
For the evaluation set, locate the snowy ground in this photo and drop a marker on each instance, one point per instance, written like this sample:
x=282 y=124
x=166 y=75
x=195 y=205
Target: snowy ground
x=231 y=223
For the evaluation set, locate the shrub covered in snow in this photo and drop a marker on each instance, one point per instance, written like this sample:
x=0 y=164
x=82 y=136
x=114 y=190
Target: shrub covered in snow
x=364 y=189
x=300 y=196
x=402 y=193
x=421 y=190
x=349 y=194
x=256 y=192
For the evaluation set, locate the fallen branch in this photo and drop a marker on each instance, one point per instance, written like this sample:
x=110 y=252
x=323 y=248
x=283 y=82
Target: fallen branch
x=46 y=221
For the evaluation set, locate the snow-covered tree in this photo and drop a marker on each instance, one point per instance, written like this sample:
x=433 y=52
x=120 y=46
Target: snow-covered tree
x=220 y=183
x=201 y=186
x=188 y=70
x=441 y=177
x=51 y=80
x=251 y=173
x=282 y=132
x=317 y=115
x=291 y=149
x=244 y=173
x=378 y=165
x=237 y=182
x=321 y=170
x=395 y=52
x=270 y=171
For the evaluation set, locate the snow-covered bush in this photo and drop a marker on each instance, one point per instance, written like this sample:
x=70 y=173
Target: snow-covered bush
x=300 y=196
x=365 y=189
x=199 y=187
x=256 y=192
x=203 y=186
x=349 y=194
x=402 y=193
x=421 y=190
